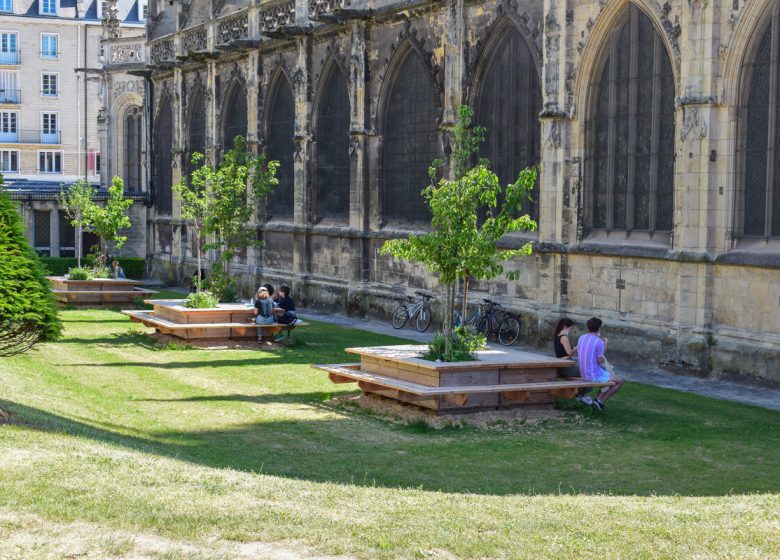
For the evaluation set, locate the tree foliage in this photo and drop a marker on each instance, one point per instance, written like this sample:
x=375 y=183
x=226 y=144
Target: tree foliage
x=77 y=204
x=106 y=221
x=28 y=311
x=223 y=199
x=470 y=215
x=193 y=192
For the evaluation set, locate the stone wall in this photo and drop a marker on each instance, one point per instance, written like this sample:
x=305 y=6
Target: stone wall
x=701 y=297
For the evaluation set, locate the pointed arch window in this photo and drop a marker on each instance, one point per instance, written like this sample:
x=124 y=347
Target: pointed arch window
x=163 y=146
x=196 y=127
x=234 y=115
x=761 y=145
x=132 y=150
x=631 y=131
x=332 y=174
x=281 y=147
x=410 y=141
x=508 y=103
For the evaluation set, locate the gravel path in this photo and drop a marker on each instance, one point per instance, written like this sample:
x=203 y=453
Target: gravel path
x=714 y=388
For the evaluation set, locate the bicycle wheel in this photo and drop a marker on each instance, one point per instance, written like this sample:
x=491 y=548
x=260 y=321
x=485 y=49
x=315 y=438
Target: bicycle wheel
x=400 y=315
x=424 y=319
x=509 y=331
x=482 y=325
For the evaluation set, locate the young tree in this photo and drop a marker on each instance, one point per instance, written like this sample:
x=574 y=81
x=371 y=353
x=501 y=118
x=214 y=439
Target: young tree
x=106 y=221
x=194 y=192
x=225 y=198
x=77 y=203
x=28 y=311
x=470 y=214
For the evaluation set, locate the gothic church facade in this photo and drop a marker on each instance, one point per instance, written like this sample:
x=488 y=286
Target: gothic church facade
x=655 y=125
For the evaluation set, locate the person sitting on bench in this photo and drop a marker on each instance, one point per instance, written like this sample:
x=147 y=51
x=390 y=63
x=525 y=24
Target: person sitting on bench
x=264 y=310
x=285 y=310
x=593 y=364
x=564 y=349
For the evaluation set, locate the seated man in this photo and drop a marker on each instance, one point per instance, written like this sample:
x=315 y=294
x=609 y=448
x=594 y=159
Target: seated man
x=285 y=310
x=593 y=364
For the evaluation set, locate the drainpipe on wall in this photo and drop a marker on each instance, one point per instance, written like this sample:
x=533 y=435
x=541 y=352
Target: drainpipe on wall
x=78 y=110
x=86 y=111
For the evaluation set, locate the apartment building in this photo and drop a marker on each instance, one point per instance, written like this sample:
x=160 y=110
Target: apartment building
x=52 y=96
x=48 y=111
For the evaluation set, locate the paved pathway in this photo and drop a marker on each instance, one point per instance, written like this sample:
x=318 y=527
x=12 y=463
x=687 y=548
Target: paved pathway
x=715 y=388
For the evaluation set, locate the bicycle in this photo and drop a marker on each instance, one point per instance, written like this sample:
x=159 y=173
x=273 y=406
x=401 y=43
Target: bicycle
x=421 y=309
x=485 y=320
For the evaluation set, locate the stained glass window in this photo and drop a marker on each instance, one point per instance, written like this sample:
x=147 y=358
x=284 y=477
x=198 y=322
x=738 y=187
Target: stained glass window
x=632 y=131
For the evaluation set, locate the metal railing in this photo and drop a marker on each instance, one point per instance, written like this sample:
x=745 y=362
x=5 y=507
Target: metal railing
x=10 y=57
x=31 y=137
x=10 y=96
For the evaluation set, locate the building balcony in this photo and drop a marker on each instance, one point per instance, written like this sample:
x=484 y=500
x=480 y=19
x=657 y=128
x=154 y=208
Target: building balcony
x=31 y=137
x=11 y=57
x=10 y=96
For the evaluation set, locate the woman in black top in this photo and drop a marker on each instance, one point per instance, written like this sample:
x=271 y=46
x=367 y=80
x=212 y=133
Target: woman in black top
x=563 y=347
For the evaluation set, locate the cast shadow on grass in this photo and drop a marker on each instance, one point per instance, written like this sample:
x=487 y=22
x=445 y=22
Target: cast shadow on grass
x=624 y=457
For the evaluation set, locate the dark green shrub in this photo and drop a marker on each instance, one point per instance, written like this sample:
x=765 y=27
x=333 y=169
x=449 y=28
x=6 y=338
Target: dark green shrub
x=79 y=274
x=201 y=300
x=134 y=267
x=28 y=310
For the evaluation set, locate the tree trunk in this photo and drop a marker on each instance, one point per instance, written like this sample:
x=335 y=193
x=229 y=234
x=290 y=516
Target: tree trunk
x=197 y=252
x=79 y=243
x=465 y=295
x=449 y=306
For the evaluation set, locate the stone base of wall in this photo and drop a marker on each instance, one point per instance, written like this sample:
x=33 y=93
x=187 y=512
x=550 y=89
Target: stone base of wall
x=725 y=354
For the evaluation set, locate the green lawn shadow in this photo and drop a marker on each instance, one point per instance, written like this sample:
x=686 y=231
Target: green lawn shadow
x=616 y=454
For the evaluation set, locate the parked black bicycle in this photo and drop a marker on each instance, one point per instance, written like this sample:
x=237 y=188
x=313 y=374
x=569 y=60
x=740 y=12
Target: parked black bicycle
x=505 y=328
x=421 y=309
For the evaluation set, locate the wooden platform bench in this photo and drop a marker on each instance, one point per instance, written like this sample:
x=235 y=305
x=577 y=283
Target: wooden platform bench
x=99 y=291
x=498 y=378
x=227 y=330
x=407 y=391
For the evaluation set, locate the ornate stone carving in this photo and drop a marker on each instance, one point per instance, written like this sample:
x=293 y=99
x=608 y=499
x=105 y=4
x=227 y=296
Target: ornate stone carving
x=128 y=86
x=553 y=140
x=195 y=40
x=162 y=50
x=317 y=7
x=233 y=28
x=693 y=124
x=354 y=148
x=276 y=16
x=126 y=54
x=111 y=27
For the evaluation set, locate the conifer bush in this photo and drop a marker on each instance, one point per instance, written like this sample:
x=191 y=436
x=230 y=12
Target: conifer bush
x=28 y=310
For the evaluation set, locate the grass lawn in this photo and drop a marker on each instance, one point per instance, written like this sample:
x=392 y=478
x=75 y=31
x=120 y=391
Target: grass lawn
x=125 y=448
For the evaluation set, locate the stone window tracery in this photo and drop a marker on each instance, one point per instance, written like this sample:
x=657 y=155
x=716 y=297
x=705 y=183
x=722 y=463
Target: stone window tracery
x=761 y=140
x=281 y=147
x=162 y=153
x=132 y=149
x=631 y=131
x=235 y=117
x=196 y=128
x=508 y=103
x=332 y=175
x=410 y=141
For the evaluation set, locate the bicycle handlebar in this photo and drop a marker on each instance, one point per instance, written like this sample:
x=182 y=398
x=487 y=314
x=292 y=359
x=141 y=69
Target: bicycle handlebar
x=424 y=295
x=491 y=302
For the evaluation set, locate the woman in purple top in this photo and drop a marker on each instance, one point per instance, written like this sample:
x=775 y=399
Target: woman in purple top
x=591 y=348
